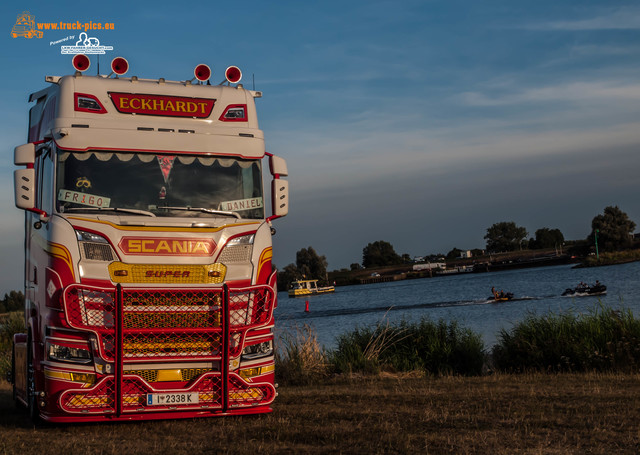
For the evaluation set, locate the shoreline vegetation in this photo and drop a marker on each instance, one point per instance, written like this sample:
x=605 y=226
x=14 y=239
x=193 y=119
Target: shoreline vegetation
x=602 y=340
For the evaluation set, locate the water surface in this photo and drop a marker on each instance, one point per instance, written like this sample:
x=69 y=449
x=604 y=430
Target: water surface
x=463 y=298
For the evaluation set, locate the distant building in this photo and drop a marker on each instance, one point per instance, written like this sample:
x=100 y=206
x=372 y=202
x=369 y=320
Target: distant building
x=429 y=265
x=465 y=254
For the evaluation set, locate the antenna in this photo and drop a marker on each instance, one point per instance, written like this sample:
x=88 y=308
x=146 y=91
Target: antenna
x=253 y=77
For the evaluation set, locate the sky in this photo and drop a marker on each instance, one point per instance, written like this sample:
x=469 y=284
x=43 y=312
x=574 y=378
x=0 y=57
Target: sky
x=420 y=123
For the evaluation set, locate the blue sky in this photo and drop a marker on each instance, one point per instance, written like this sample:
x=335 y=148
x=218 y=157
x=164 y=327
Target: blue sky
x=420 y=123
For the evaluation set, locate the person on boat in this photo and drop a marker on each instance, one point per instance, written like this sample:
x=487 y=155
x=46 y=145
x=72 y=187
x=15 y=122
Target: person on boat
x=494 y=292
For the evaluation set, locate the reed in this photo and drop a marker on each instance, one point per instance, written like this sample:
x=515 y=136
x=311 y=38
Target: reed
x=438 y=348
x=299 y=358
x=601 y=340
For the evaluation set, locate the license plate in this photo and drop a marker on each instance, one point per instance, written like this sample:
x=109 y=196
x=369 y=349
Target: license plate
x=170 y=399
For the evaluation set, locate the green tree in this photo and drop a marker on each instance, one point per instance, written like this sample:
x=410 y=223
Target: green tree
x=379 y=254
x=286 y=276
x=311 y=265
x=505 y=236
x=546 y=238
x=614 y=229
x=13 y=301
x=454 y=254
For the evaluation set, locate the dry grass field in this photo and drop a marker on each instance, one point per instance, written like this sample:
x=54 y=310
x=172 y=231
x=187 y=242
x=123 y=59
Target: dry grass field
x=498 y=414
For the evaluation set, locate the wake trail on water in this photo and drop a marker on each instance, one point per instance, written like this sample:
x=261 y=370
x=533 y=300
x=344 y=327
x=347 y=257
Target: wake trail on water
x=382 y=309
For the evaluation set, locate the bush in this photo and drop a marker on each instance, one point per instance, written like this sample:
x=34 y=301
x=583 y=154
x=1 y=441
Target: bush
x=435 y=348
x=9 y=325
x=603 y=340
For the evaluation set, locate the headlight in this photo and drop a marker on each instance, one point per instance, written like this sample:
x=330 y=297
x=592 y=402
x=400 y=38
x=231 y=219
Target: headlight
x=68 y=354
x=94 y=247
x=237 y=249
x=255 y=351
x=242 y=240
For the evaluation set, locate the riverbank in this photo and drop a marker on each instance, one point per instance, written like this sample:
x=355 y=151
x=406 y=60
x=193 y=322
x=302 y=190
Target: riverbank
x=612 y=258
x=498 y=414
x=480 y=264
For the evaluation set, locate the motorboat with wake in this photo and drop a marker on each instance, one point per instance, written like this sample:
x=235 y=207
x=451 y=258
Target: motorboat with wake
x=583 y=290
x=500 y=296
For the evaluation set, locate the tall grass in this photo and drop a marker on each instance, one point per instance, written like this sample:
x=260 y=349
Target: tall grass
x=299 y=358
x=432 y=347
x=9 y=324
x=602 y=340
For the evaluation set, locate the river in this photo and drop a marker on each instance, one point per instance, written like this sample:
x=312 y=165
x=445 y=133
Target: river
x=462 y=298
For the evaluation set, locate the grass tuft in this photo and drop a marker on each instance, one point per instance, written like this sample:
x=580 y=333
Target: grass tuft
x=299 y=358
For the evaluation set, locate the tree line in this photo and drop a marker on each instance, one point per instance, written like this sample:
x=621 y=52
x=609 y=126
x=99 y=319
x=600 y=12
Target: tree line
x=610 y=231
x=13 y=301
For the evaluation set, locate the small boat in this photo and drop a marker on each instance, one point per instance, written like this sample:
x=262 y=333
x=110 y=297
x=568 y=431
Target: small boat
x=501 y=297
x=302 y=288
x=583 y=289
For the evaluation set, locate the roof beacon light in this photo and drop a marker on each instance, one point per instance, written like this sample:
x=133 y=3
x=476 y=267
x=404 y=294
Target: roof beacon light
x=119 y=65
x=233 y=74
x=202 y=72
x=81 y=62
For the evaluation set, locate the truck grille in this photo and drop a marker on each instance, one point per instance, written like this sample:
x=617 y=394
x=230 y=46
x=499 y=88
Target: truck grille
x=163 y=324
x=159 y=326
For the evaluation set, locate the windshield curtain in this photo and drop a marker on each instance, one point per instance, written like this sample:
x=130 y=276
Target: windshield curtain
x=165 y=185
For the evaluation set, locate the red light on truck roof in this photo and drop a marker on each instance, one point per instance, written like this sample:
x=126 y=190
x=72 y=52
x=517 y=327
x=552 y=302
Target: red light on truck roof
x=233 y=74
x=81 y=62
x=119 y=65
x=202 y=72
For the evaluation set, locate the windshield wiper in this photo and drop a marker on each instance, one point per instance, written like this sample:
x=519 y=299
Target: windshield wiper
x=109 y=209
x=203 y=210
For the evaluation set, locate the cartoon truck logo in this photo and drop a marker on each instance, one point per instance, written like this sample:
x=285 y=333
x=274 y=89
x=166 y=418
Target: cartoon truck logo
x=26 y=26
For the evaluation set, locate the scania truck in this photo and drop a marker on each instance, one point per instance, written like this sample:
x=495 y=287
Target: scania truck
x=149 y=282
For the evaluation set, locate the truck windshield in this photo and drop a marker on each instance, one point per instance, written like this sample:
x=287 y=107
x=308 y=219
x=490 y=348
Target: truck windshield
x=160 y=185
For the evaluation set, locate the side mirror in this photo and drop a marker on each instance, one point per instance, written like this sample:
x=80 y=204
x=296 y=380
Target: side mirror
x=24 y=181
x=24 y=154
x=278 y=166
x=280 y=197
x=279 y=187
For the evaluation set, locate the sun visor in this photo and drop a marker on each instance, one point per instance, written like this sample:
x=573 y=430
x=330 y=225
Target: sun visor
x=237 y=145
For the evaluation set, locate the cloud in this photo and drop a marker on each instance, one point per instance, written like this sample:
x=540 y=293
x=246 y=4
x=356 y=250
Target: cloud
x=577 y=91
x=623 y=18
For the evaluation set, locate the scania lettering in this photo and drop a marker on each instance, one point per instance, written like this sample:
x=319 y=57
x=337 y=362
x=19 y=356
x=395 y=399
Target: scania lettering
x=149 y=282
